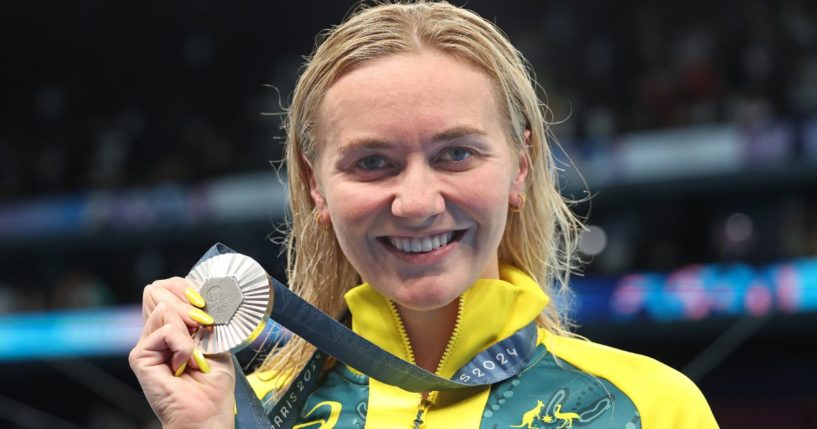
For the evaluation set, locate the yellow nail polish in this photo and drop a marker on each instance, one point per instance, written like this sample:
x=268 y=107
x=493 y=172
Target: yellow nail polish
x=181 y=368
x=194 y=297
x=198 y=356
x=201 y=317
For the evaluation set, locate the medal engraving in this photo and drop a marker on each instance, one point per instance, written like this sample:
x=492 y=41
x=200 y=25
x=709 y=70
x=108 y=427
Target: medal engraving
x=222 y=296
x=238 y=295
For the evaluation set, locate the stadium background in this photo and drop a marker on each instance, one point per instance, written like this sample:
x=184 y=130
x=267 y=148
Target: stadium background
x=134 y=135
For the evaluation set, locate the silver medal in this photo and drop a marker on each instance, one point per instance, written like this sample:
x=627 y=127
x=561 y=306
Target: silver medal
x=238 y=295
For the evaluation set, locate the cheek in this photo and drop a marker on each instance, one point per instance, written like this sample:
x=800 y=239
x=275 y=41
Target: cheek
x=486 y=196
x=354 y=211
x=354 y=205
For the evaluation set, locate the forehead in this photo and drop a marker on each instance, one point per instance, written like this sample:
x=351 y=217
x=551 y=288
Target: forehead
x=408 y=96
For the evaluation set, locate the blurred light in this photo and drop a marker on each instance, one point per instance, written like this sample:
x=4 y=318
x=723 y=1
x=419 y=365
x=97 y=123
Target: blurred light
x=758 y=299
x=739 y=227
x=593 y=240
x=94 y=332
x=111 y=331
x=788 y=289
x=687 y=286
x=631 y=294
x=701 y=291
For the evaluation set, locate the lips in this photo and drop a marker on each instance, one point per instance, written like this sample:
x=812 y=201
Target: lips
x=421 y=244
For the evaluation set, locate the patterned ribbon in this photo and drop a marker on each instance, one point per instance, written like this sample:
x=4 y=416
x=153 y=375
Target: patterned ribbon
x=496 y=363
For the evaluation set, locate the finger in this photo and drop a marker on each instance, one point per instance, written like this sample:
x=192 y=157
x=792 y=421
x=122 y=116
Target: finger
x=165 y=314
x=165 y=347
x=192 y=316
x=220 y=364
x=199 y=361
x=180 y=288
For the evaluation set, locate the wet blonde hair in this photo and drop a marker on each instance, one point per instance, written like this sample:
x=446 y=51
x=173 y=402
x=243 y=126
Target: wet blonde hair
x=539 y=240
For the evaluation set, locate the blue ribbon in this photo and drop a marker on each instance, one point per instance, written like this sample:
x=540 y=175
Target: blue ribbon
x=498 y=362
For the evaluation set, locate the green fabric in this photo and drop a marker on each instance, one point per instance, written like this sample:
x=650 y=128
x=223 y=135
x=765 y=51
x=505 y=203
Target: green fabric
x=528 y=400
x=531 y=399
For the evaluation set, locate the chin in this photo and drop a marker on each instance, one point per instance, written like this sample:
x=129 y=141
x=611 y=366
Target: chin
x=426 y=299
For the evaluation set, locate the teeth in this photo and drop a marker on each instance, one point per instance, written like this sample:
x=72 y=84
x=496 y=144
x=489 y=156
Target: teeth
x=426 y=244
x=420 y=244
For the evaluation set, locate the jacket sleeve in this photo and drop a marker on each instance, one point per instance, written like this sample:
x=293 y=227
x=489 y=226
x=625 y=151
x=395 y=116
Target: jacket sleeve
x=674 y=401
x=664 y=397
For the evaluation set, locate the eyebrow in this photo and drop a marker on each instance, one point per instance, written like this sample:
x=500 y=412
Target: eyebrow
x=372 y=143
x=364 y=143
x=457 y=132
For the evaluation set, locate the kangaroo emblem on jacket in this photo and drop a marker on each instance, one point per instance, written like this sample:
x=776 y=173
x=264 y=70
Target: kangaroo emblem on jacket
x=566 y=418
x=532 y=415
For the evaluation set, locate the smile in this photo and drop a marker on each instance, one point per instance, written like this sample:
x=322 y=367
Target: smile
x=422 y=244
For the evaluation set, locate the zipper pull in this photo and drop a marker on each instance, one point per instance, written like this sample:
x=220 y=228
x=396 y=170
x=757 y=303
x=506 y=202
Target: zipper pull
x=422 y=409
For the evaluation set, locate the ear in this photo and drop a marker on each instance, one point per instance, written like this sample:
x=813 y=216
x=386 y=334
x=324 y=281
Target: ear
x=518 y=183
x=315 y=191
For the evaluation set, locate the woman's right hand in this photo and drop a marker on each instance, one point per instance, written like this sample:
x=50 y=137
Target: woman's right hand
x=184 y=389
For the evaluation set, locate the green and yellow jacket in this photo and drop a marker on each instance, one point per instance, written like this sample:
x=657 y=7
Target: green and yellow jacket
x=569 y=382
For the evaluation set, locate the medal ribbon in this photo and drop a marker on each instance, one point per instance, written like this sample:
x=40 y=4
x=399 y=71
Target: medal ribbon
x=496 y=363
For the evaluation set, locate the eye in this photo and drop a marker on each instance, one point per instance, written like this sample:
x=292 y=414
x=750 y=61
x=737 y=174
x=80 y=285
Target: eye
x=456 y=154
x=372 y=162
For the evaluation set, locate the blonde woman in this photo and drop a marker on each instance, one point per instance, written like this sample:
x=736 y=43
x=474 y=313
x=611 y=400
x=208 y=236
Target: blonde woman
x=424 y=202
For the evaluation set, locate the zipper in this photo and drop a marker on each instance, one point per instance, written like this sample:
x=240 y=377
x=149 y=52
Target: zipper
x=403 y=334
x=422 y=409
x=427 y=400
x=453 y=339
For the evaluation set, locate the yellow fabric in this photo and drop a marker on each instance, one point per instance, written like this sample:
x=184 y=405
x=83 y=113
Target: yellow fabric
x=504 y=305
x=460 y=408
x=664 y=397
x=493 y=309
x=263 y=382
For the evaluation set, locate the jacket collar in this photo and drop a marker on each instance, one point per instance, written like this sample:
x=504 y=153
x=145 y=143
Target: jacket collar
x=492 y=309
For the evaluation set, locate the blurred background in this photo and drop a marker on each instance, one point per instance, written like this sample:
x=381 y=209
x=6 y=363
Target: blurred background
x=135 y=135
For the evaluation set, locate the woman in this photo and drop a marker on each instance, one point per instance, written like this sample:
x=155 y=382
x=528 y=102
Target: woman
x=419 y=167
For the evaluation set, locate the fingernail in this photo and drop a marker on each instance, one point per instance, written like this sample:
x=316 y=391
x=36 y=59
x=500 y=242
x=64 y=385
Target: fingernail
x=181 y=368
x=201 y=317
x=198 y=356
x=194 y=297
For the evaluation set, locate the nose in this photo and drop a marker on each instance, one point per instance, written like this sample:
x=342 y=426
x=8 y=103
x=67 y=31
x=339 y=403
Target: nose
x=417 y=197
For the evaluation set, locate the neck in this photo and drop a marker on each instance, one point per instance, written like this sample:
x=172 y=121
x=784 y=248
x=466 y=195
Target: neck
x=429 y=332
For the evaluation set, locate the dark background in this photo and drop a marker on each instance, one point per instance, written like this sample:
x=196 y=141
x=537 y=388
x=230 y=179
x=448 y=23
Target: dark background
x=167 y=98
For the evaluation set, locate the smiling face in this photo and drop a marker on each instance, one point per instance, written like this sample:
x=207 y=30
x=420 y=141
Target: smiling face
x=415 y=171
